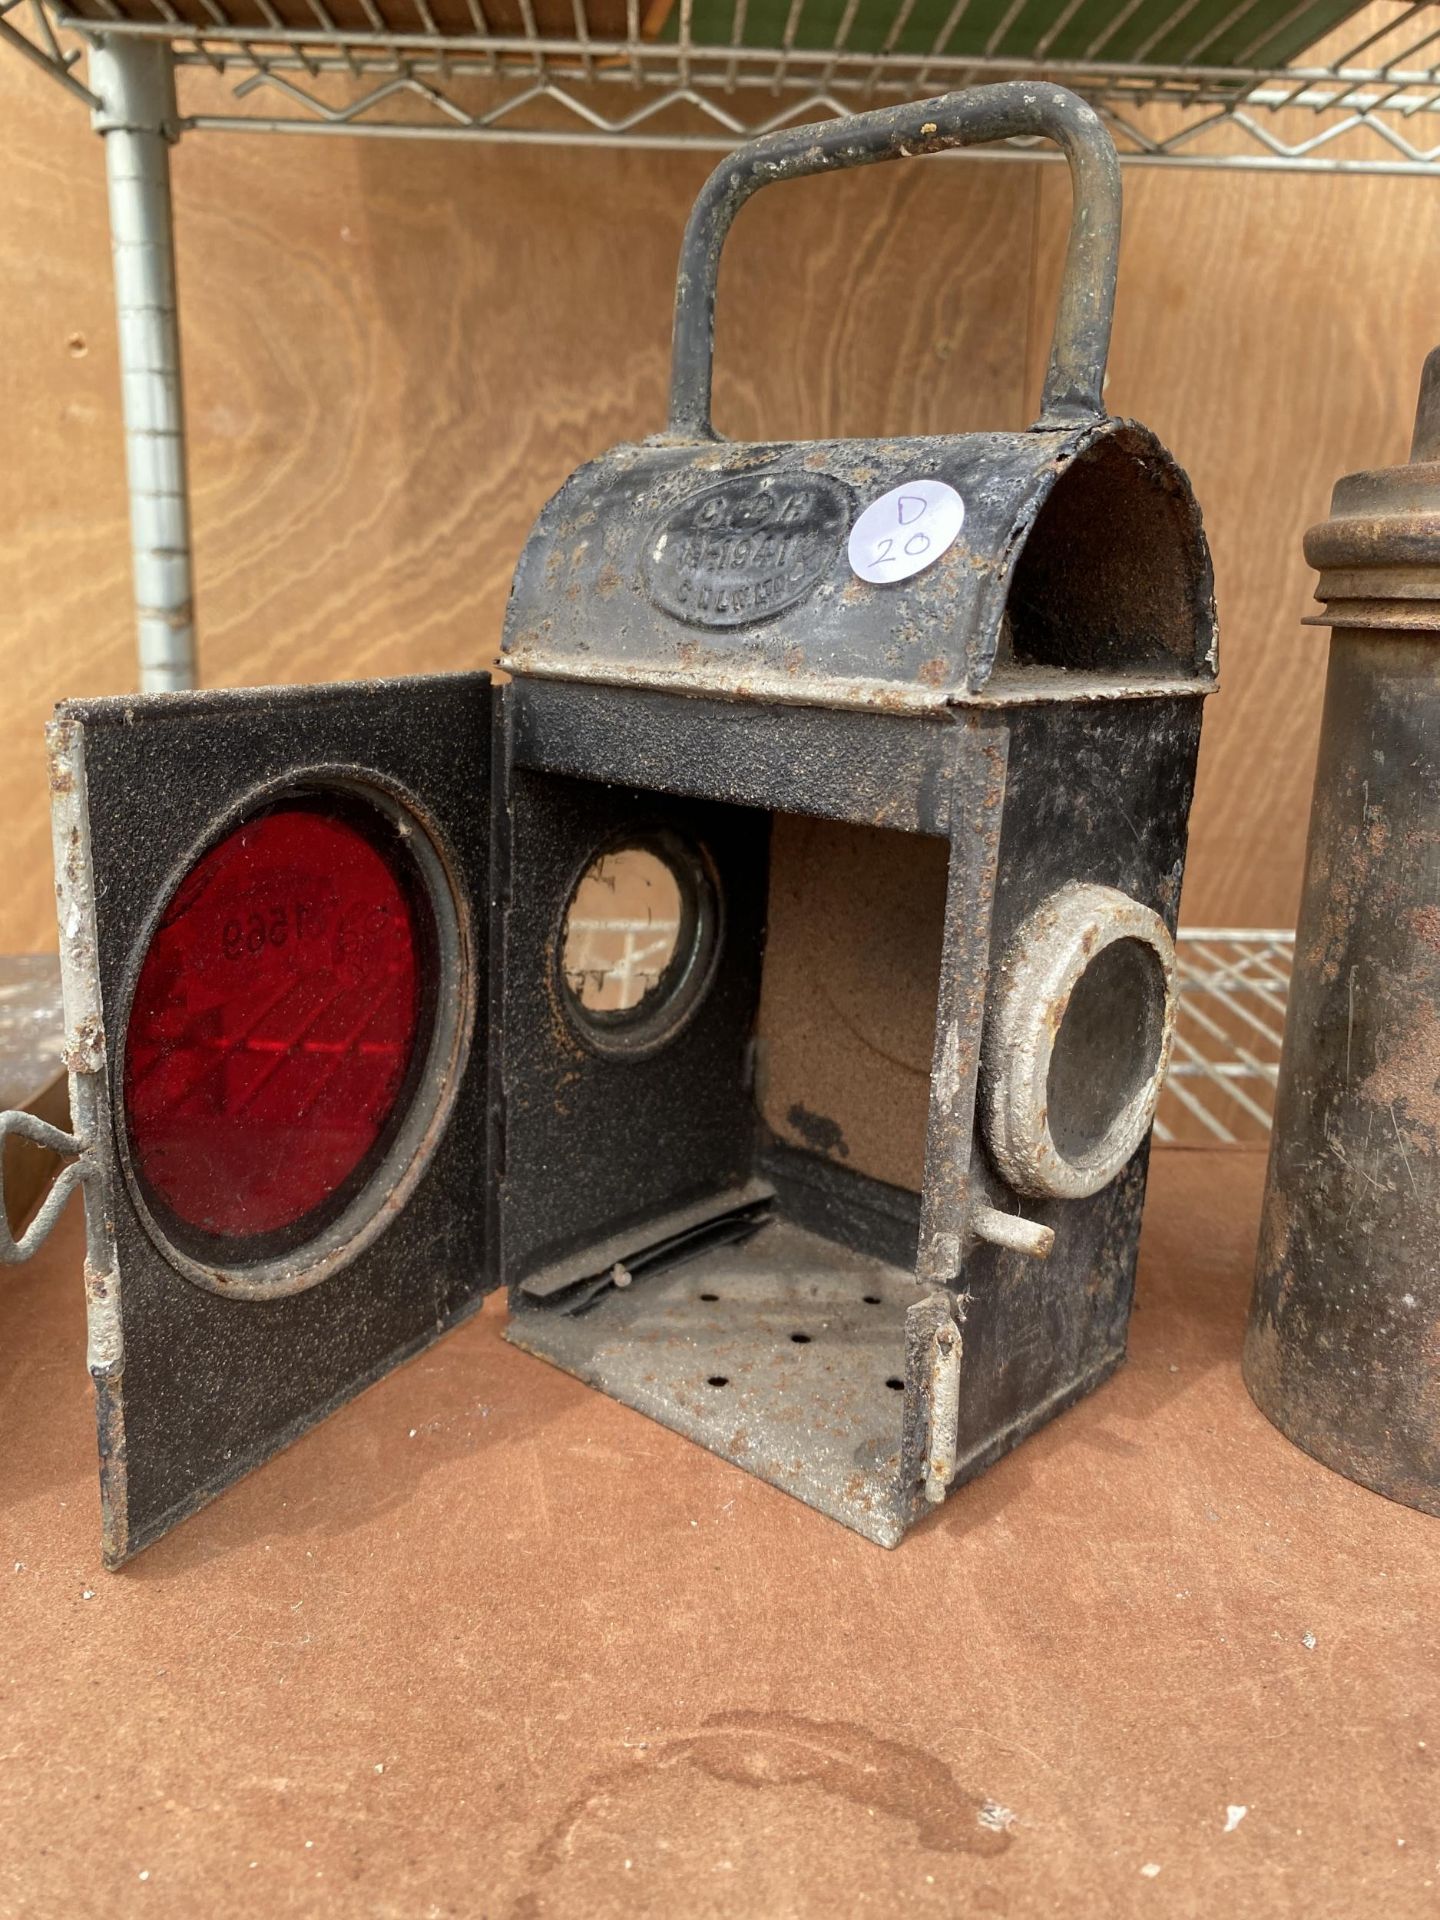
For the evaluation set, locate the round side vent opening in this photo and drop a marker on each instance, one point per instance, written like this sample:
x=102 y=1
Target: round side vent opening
x=1077 y=1041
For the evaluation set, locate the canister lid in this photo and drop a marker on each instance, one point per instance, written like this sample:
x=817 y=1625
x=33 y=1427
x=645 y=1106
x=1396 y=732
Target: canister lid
x=1378 y=555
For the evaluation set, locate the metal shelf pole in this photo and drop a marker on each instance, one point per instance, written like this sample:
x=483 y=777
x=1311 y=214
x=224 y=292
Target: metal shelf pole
x=134 y=81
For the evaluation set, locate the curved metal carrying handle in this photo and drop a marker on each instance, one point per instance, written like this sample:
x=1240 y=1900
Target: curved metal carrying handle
x=42 y=1134
x=1081 y=339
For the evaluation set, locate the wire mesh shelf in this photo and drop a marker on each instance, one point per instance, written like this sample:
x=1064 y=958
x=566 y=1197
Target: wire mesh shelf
x=1221 y=1087
x=1213 y=83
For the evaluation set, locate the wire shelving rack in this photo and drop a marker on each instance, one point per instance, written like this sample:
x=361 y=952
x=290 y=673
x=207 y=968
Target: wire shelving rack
x=1319 y=86
x=1198 y=84
x=1220 y=1091
x=1293 y=85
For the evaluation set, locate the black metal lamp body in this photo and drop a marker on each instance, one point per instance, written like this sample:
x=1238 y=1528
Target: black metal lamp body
x=860 y=1264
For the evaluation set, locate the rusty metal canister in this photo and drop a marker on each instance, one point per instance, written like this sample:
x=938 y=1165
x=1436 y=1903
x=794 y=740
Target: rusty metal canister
x=1343 y=1346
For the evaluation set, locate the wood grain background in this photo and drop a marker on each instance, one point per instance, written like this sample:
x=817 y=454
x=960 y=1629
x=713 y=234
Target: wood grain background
x=394 y=352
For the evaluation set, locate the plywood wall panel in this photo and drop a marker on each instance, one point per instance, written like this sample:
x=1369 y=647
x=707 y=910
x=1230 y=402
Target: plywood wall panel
x=394 y=352
x=1271 y=329
x=64 y=579
x=848 y=1002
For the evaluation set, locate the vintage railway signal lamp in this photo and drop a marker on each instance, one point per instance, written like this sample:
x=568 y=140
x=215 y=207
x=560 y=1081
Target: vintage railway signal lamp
x=771 y=985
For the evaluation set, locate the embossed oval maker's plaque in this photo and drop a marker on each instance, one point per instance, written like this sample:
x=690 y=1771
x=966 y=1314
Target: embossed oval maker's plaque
x=745 y=550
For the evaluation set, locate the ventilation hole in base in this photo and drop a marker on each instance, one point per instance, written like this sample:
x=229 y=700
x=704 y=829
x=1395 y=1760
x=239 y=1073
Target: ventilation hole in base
x=801 y=1339
x=709 y=1296
x=872 y=1299
x=718 y=1380
x=895 y=1385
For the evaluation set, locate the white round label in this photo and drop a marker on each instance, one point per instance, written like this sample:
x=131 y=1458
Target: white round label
x=905 y=530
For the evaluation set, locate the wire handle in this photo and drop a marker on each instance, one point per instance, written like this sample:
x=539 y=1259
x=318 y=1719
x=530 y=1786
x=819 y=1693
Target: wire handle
x=29 y=1126
x=1081 y=340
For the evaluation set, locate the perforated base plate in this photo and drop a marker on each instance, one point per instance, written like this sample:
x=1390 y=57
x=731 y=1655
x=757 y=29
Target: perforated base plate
x=816 y=1417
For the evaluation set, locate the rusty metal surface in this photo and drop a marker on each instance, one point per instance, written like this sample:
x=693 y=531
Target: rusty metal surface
x=696 y=662
x=20 y=1129
x=599 y=1157
x=685 y=621
x=1343 y=1345
x=194 y=1384
x=710 y=1349
x=85 y=1042
x=880 y=769
x=685 y=627
x=584 y=605
x=1032 y=1120
x=843 y=1417
x=689 y=564
x=978 y=808
x=1378 y=554
x=596 y=1146
x=1076 y=374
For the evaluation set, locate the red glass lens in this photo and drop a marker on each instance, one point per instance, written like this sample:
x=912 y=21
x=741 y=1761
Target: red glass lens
x=274 y=1025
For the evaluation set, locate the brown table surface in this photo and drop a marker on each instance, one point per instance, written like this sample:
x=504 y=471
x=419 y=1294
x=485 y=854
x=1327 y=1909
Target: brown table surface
x=487 y=1644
